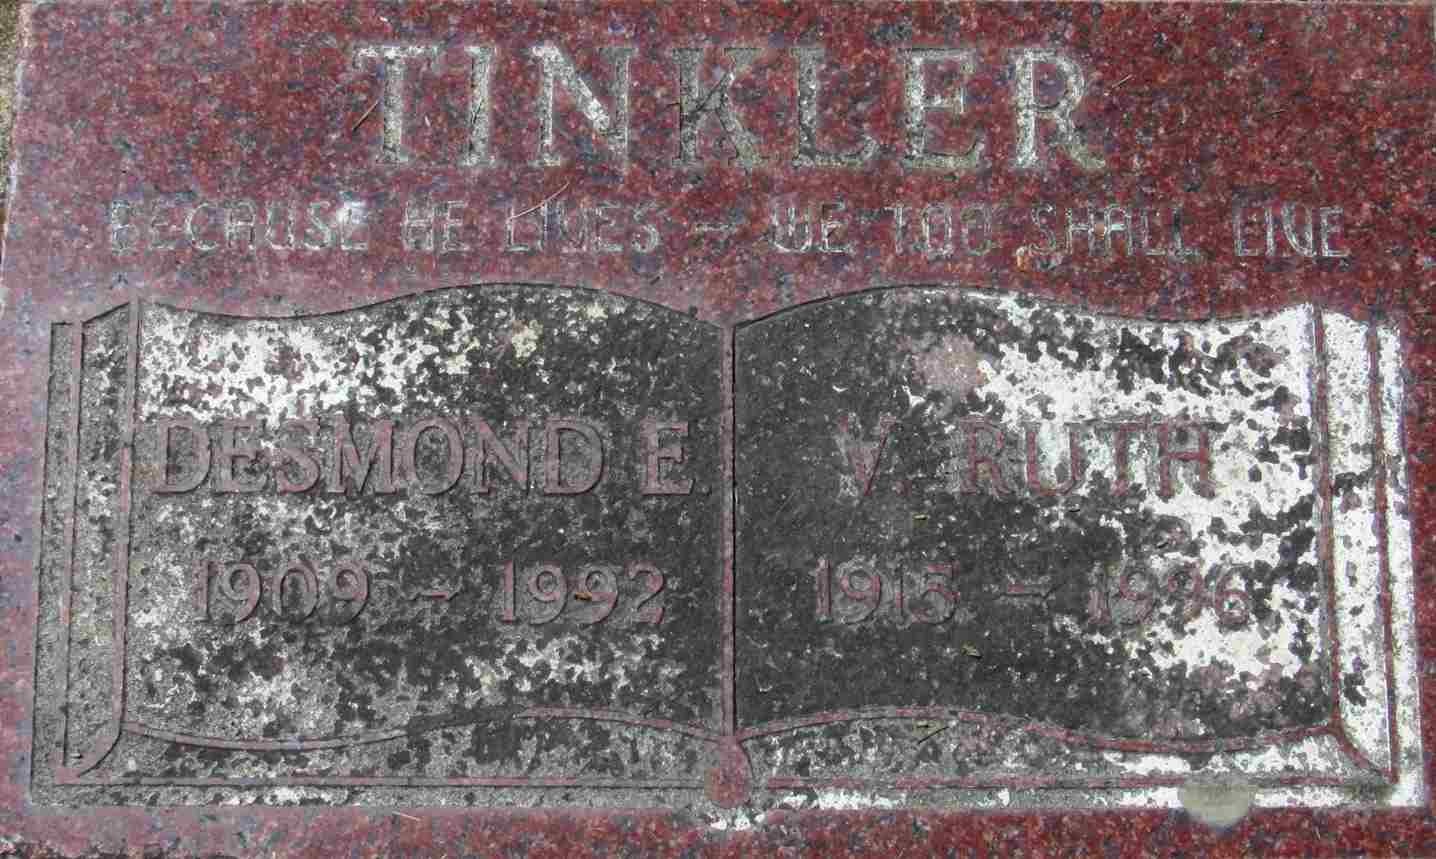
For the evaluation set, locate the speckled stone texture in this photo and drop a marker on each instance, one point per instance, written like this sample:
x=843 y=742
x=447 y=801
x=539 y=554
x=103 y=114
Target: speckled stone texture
x=1185 y=163
x=9 y=41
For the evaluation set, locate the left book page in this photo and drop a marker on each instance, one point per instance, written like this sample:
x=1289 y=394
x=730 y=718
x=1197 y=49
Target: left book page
x=466 y=539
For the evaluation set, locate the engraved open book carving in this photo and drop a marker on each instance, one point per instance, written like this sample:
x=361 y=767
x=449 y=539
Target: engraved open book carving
x=917 y=539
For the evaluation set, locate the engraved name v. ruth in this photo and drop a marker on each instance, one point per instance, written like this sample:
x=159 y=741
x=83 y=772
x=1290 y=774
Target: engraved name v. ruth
x=517 y=527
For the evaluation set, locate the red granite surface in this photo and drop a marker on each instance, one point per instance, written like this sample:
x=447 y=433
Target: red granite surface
x=1204 y=105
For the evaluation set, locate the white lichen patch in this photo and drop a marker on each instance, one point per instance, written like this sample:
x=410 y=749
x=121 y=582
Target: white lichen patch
x=1042 y=389
x=594 y=311
x=838 y=799
x=1251 y=650
x=1410 y=786
x=736 y=820
x=210 y=368
x=950 y=364
x=525 y=339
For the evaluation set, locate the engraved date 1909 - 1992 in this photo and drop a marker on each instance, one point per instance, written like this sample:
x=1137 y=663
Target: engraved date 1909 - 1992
x=230 y=593
x=859 y=590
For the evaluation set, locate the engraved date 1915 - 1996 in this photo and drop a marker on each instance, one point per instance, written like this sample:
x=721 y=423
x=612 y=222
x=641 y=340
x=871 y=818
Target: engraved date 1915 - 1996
x=857 y=590
x=297 y=591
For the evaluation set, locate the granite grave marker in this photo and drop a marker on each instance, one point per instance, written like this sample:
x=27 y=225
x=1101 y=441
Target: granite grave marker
x=696 y=418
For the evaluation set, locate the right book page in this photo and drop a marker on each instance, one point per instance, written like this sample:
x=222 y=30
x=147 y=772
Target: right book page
x=997 y=546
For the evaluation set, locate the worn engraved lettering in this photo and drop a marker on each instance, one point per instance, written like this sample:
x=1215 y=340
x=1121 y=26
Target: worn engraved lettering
x=234 y=452
x=453 y=458
x=1297 y=225
x=232 y=596
x=936 y=231
x=1039 y=217
x=1330 y=219
x=512 y=455
x=451 y=228
x=428 y=456
x=985 y=442
x=1074 y=464
x=585 y=448
x=1169 y=434
x=335 y=593
x=291 y=489
x=939 y=232
x=164 y=233
x=611 y=124
x=731 y=518
x=1100 y=224
x=279 y=232
x=318 y=234
x=820 y=228
x=869 y=590
x=1147 y=227
x=602 y=222
x=240 y=218
x=701 y=101
x=863 y=457
x=899 y=213
x=1122 y=489
x=350 y=219
x=394 y=63
x=428 y=226
x=536 y=217
x=122 y=228
x=349 y=467
x=977 y=228
x=1031 y=109
x=590 y=226
x=1287 y=229
x=1121 y=433
x=417 y=230
x=787 y=229
x=201 y=225
x=993 y=458
x=543 y=593
x=810 y=153
x=919 y=104
x=298 y=580
x=170 y=476
x=656 y=454
x=830 y=226
x=477 y=151
x=302 y=462
x=646 y=237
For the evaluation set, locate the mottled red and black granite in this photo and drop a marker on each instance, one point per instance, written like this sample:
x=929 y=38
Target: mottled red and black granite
x=1203 y=105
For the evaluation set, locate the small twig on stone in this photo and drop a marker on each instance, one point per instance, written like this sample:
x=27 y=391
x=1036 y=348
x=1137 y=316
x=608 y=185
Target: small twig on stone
x=406 y=816
x=933 y=734
x=371 y=109
x=544 y=202
x=1120 y=82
